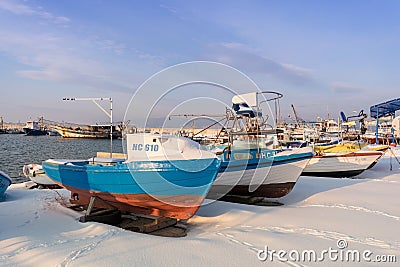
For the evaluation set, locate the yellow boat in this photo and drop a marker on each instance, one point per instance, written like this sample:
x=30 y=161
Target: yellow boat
x=350 y=146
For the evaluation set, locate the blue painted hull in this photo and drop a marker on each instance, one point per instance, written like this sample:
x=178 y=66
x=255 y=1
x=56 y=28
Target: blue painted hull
x=5 y=182
x=168 y=188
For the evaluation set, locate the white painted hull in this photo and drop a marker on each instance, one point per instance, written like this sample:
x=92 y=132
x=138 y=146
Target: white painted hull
x=285 y=173
x=274 y=180
x=37 y=175
x=42 y=179
x=341 y=165
x=68 y=133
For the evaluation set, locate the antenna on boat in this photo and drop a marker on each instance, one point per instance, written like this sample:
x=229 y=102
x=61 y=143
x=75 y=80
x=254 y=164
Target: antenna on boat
x=109 y=114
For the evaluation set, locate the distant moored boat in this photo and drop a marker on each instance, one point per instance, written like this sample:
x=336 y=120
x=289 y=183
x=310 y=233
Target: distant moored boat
x=32 y=128
x=88 y=131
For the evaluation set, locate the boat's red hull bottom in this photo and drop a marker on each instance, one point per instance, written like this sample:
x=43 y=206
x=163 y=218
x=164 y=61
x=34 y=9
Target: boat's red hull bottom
x=265 y=190
x=178 y=207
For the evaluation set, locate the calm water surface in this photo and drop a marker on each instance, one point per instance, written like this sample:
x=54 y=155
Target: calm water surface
x=16 y=150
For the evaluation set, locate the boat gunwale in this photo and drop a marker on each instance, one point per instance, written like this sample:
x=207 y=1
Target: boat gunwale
x=350 y=154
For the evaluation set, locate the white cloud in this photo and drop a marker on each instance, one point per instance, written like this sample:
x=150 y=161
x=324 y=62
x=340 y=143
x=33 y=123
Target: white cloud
x=48 y=74
x=16 y=8
x=107 y=45
x=305 y=72
x=249 y=59
x=235 y=45
x=55 y=58
x=170 y=9
x=347 y=88
x=21 y=9
x=61 y=20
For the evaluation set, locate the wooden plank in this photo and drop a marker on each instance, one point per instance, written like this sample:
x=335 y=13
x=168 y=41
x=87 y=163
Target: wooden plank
x=107 y=155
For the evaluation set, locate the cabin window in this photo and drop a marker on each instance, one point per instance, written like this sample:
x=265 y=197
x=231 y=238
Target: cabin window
x=241 y=156
x=154 y=140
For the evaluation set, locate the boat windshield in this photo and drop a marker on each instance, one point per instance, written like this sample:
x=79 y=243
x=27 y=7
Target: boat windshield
x=253 y=142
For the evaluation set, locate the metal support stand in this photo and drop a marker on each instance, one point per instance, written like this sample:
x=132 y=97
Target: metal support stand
x=392 y=154
x=110 y=216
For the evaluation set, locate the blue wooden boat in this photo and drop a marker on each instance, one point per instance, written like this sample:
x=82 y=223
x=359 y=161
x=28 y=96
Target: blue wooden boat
x=5 y=182
x=163 y=175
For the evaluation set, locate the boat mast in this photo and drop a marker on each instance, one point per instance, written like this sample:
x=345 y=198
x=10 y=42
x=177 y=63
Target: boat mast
x=295 y=116
x=109 y=114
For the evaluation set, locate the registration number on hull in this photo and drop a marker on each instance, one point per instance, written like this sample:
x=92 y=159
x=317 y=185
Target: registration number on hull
x=266 y=155
x=145 y=147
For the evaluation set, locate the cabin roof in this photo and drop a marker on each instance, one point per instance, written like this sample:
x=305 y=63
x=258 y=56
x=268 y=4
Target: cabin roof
x=385 y=109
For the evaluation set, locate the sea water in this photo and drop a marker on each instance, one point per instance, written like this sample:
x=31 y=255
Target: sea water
x=17 y=150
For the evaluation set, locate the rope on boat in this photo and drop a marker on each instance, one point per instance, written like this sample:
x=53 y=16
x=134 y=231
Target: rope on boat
x=208 y=127
x=61 y=199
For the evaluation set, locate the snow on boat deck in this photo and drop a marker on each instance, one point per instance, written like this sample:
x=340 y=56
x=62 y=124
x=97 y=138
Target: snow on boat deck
x=36 y=230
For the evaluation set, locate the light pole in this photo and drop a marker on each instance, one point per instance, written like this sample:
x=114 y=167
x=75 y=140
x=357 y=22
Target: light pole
x=110 y=114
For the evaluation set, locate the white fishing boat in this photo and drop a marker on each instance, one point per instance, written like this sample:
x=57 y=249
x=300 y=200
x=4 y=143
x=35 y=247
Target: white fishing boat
x=34 y=128
x=341 y=164
x=253 y=164
x=88 y=131
x=36 y=174
x=259 y=172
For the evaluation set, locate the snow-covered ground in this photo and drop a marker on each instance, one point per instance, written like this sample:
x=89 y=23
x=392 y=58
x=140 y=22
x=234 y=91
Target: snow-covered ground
x=337 y=219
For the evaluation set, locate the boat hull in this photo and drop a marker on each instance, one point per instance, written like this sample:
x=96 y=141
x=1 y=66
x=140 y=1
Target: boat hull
x=159 y=188
x=70 y=133
x=42 y=179
x=263 y=190
x=341 y=165
x=34 y=132
x=183 y=207
x=36 y=174
x=263 y=177
x=5 y=182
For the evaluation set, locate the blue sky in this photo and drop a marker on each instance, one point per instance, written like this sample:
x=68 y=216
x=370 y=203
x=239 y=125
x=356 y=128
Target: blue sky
x=324 y=56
